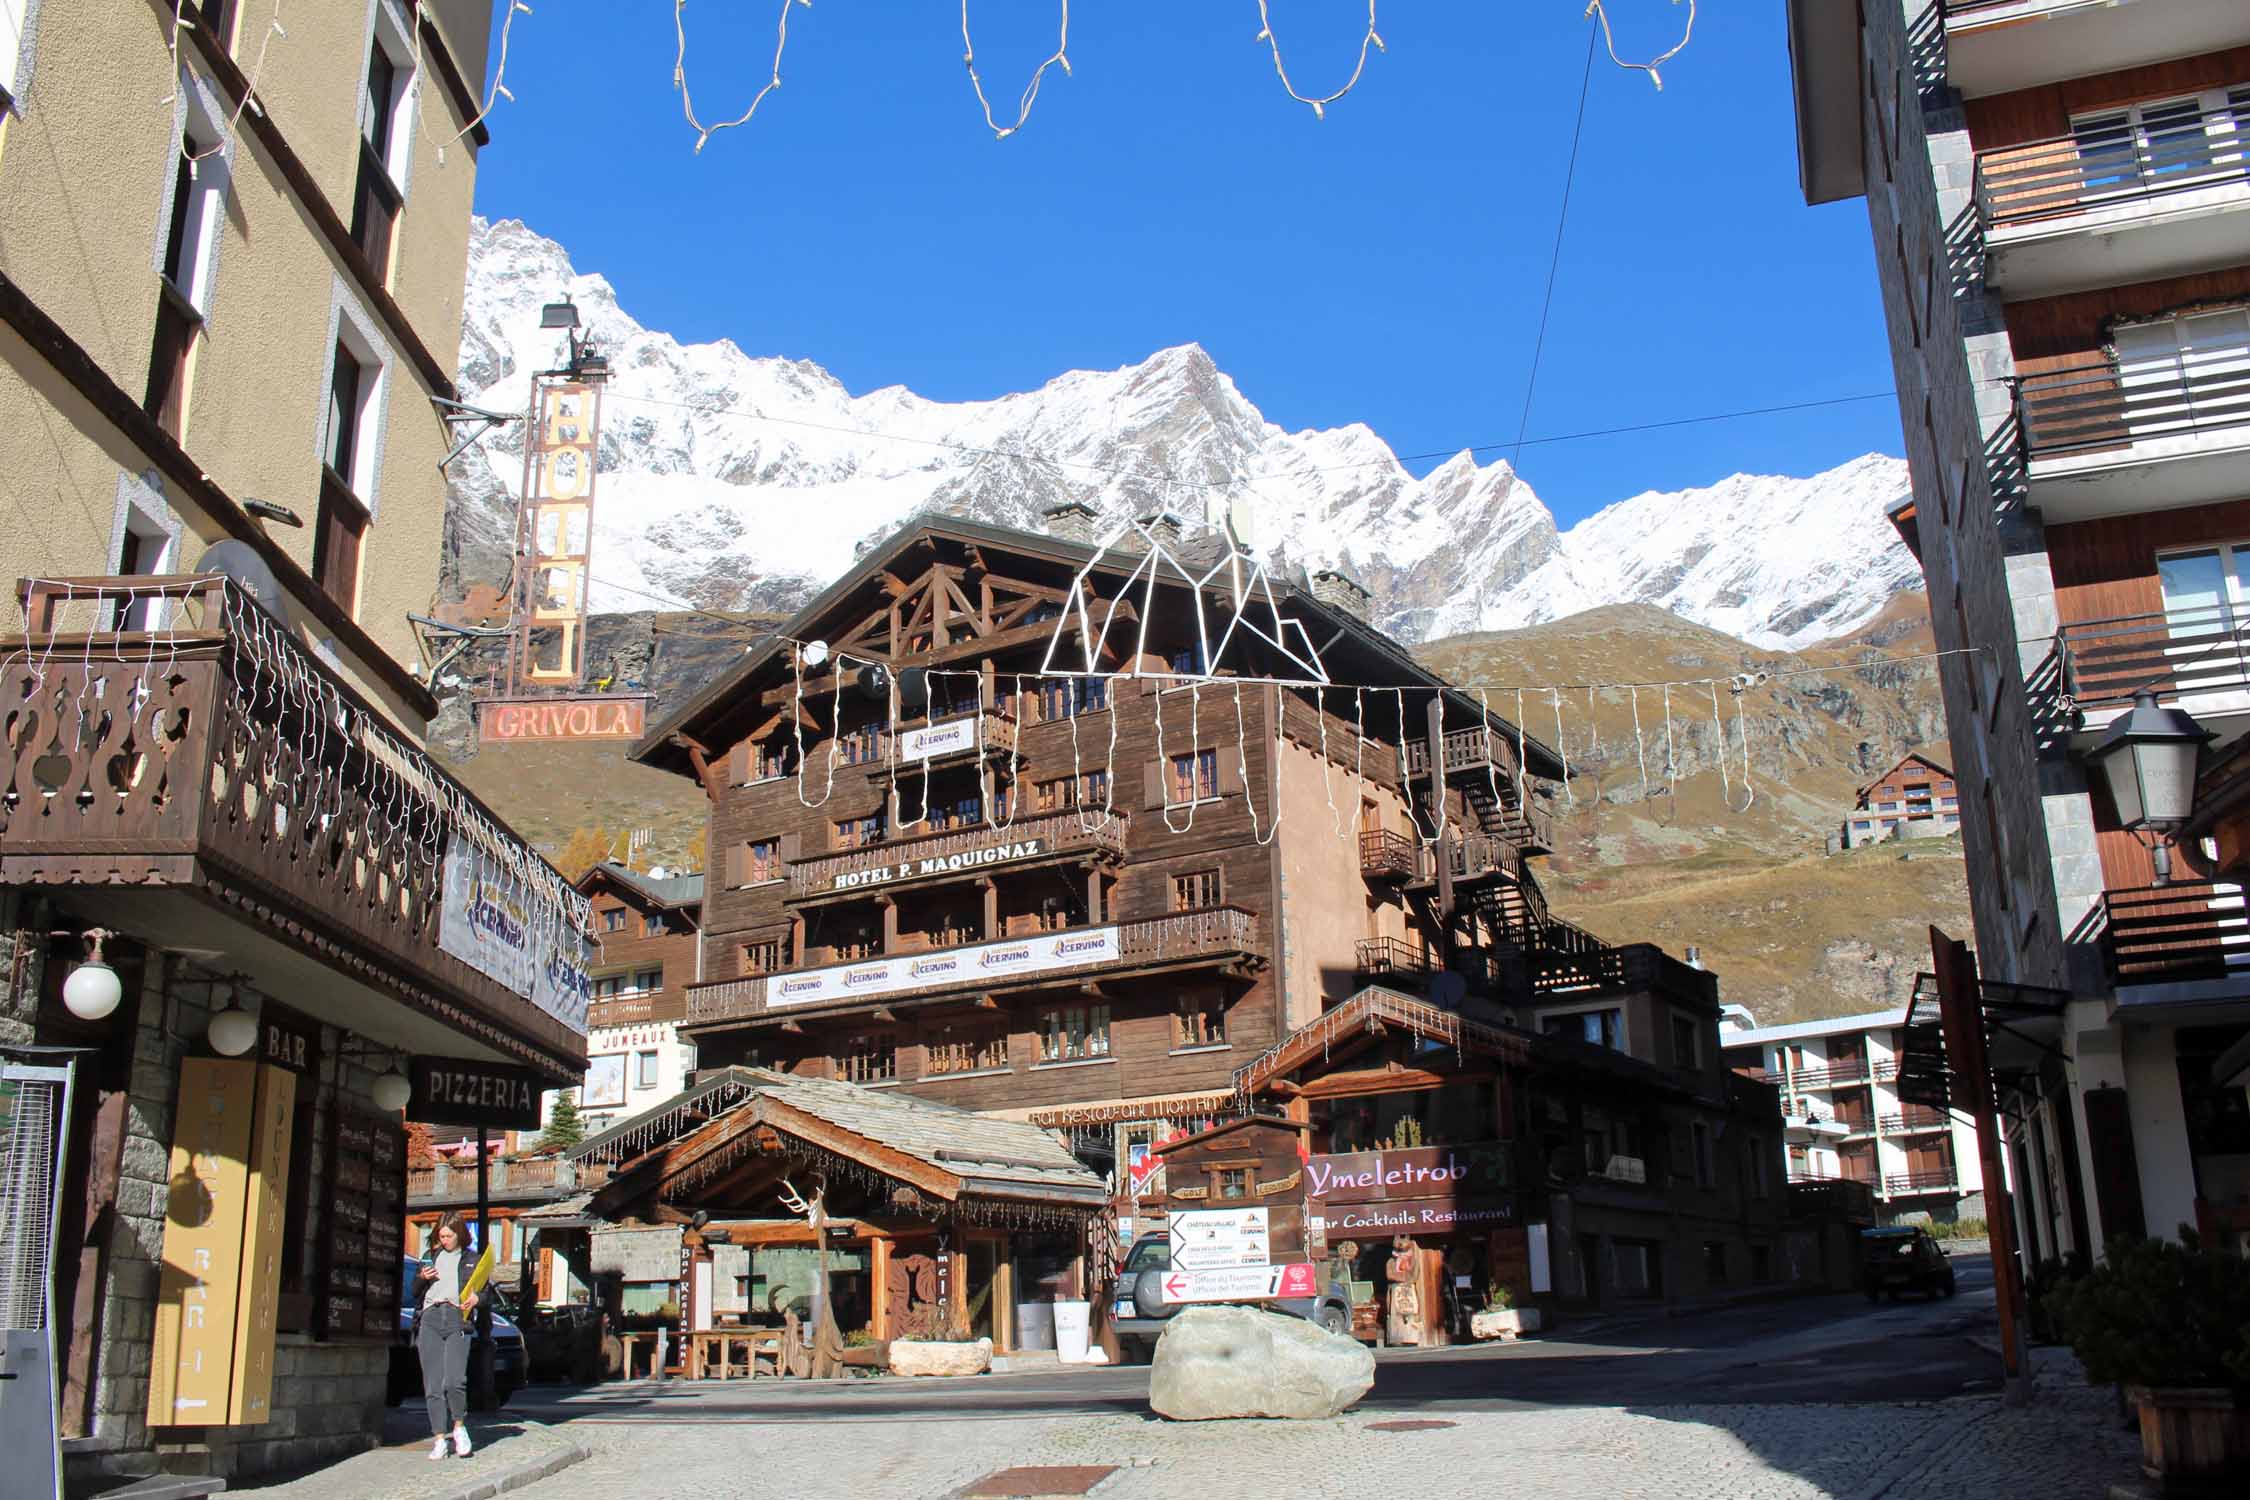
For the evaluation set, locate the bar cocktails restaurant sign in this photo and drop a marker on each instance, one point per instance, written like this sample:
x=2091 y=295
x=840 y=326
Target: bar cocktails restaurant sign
x=985 y=963
x=1425 y=1190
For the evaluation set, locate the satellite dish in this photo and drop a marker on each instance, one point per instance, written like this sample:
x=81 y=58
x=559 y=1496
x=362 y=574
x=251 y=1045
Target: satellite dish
x=815 y=653
x=241 y=562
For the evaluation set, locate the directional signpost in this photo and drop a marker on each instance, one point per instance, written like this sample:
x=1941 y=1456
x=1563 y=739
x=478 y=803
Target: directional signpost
x=1221 y=1239
x=1241 y=1284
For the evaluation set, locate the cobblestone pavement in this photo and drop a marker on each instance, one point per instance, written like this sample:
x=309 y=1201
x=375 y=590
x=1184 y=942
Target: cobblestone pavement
x=2064 y=1446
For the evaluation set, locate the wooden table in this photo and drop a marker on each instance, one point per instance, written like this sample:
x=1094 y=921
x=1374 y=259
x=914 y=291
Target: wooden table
x=702 y=1346
x=628 y=1342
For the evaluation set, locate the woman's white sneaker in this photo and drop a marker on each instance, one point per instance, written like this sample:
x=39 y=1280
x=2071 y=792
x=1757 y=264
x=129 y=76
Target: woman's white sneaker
x=437 y=1450
x=460 y=1442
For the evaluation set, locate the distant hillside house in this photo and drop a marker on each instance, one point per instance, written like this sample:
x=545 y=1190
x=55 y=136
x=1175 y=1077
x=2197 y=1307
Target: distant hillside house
x=1915 y=799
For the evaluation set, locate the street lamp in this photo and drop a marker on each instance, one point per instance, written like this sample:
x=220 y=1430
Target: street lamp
x=93 y=989
x=2149 y=758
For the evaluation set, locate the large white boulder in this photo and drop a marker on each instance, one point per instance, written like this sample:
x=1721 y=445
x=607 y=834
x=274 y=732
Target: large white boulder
x=1245 y=1362
x=922 y=1357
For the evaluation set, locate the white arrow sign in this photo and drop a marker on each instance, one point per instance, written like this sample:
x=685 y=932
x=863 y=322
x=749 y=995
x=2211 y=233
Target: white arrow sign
x=1241 y=1284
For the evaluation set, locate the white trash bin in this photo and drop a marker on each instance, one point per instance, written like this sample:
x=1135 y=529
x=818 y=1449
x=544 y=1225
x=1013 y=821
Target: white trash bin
x=1071 y=1331
x=1035 y=1325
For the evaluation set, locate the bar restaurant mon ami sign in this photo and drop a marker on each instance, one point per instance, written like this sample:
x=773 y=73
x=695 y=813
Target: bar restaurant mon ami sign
x=458 y=1091
x=982 y=963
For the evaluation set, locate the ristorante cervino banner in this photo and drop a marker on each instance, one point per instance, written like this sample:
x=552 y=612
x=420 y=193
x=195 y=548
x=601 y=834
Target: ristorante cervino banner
x=984 y=963
x=486 y=923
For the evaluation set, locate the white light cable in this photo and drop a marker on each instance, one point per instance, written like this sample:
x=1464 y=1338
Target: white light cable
x=1320 y=105
x=1059 y=58
x=1600 y=10
x=703 y=132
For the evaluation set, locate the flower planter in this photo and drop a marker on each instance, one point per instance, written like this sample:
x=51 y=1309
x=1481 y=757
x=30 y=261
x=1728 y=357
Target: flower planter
x=1504 y=1323
x=935 y=1357
x=2194 y=1439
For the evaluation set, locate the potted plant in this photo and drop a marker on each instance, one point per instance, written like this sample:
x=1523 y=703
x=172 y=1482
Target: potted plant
x=1501 y=1318
x=2171 y=1324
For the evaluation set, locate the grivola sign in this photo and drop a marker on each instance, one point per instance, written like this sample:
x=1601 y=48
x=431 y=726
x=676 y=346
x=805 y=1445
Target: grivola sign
x=459 y=1091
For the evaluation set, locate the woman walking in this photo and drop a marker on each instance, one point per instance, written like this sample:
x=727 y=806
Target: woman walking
x=441 y=1337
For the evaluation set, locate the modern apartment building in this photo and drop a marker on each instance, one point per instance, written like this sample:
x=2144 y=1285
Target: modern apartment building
x=1090 y=900
x=1914 y=799
x=1842 y=1116
x=2060 y=206
x=231 y=880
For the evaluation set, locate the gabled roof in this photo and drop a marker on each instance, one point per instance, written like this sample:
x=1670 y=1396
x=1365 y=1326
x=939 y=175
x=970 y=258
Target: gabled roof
x=674 y=891
x=1388 y=662
x=1910 y=757
x=948 y=1152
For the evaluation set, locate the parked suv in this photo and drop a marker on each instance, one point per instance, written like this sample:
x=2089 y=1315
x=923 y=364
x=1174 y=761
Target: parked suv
x=508 y=1362
x=1903 y=1258
x=1140 y=1311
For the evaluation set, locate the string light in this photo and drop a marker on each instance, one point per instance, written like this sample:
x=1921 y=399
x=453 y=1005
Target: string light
x=1599 y=9
x=1273 y=44
x=498 y=91
x=181 y=20
x=1031 y=91
x=703 y=132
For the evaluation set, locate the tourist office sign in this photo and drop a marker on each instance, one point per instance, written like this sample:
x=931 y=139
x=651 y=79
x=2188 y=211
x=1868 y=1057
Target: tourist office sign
x=1241 y=1284
x=1422 y=1190
x=982 y=963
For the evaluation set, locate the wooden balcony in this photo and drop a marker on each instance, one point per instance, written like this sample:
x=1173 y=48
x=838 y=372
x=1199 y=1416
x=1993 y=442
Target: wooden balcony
x=1389 y=858
x=981 y=734
x=621 y=1010
x=1634 y=968
x=2180 y=653
x=233 y=780
x=1213 y=936
x=2167 y=934
x=1483 y=765
x=960 y=852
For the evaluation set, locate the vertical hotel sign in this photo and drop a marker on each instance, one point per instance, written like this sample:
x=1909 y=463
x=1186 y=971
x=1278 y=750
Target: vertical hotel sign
x=212 y=1361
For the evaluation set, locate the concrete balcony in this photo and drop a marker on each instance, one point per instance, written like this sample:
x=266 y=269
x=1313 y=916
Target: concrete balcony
x=1916 y=1184
x=1804 y=1125
x=1998 y=46
x=2113 y=206
x=1215 y=937
x=188 y=771
x=953 y=855
x=2099 y=441
x=2196 y=659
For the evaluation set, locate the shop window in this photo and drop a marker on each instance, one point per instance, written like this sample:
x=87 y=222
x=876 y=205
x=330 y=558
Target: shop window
x=870 y=1059
x=1074 y=1033
x=1200 y=1021
x=1195 y=891
x=1195 y=777
x=967 y=1050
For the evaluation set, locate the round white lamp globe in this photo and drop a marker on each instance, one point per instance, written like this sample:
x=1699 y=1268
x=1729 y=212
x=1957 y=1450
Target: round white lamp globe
x=391 y=1091
x=92 y=990
x=232 y=1032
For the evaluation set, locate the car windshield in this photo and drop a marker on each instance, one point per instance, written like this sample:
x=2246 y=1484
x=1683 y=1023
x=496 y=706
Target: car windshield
x=1150 y=1255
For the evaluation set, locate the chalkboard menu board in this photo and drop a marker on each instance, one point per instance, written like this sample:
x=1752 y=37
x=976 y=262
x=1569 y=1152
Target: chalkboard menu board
x=366 y=1228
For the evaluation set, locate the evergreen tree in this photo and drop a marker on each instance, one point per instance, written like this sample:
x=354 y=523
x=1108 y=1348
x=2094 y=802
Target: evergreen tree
x=564 y=1128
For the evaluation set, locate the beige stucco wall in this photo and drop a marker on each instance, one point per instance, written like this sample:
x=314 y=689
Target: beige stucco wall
x=84 y=181
x=1325 y=901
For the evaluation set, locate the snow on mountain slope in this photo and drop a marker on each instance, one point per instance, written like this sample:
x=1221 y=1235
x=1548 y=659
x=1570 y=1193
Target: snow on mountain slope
x=732 y=481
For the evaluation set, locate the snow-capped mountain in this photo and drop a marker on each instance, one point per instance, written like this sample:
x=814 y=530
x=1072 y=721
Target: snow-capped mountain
x=730 y=481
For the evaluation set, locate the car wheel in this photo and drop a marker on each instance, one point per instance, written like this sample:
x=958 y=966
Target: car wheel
x=1334 y=1319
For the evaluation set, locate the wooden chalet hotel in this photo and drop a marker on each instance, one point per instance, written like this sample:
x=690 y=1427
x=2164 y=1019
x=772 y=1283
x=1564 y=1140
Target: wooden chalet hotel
x=1094 y=903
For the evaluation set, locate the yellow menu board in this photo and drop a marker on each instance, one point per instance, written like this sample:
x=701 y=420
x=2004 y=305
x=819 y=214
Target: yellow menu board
x=191 y=1366
x=267 y=1198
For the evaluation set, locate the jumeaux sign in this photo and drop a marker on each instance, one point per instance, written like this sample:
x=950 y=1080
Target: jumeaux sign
x=940 y=864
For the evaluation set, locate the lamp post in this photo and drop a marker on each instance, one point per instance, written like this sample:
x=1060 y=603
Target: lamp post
x=2149 y=758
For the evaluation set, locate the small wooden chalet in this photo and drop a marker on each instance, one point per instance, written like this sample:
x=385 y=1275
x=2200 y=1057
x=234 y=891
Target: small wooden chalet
x=932 y=1218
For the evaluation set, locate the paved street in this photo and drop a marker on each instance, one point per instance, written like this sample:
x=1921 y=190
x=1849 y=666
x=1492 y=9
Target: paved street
x=1810 y=1397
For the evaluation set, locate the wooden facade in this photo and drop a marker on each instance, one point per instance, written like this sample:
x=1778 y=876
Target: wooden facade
x=643 y=926
x=1073 y=900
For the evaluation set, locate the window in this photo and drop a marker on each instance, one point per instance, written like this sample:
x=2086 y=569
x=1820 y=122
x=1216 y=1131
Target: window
x=1195 y=890
x=613 y=919
x=869 y=1059
x=652 y=924
x=644 y=1070
x=762 y=862
x=144 y=548
x=960 y=812
x=609 y=986
x=1686 y=1050
x=2183 y=373
x=853 y=943
x=862 y=746
x=1093 y=789
x=1715 y=1262
x=1089 y=790
x=1188 y=660
x=184 y=288
x=776 y=760
x=1231 y=1183
x=2161 y=144
x=1074 y=1033
x=961 y=1049
x=859 y=833
x=1760 y=1168
x=1199 y=1021
x=1602 y=1028
x=1701 y=1133
x=648 y=981
x=1065 y=697
x=1195 y=777
x=347 y=476
x=766 y=956
x=386 y=138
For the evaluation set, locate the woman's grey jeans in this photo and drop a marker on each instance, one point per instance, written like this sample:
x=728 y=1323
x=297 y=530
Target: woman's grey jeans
x=441 y=1337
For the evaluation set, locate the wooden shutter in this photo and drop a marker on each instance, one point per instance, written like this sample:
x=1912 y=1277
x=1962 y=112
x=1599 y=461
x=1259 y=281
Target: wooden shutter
x=1152 y=786
x=738 y=865
x=739 y=763
x=792 y=848
x=1230 y=772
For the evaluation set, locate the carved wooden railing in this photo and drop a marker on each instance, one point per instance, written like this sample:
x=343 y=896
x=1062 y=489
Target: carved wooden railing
x=212 y=750
x=621 y=1010
x=1058 y=833
x=1212 y=933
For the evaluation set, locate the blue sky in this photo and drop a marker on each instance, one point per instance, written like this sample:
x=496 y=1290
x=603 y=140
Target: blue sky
x=1383 y=265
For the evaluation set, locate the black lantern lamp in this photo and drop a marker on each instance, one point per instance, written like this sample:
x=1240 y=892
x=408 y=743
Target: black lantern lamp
x=2149 y=758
